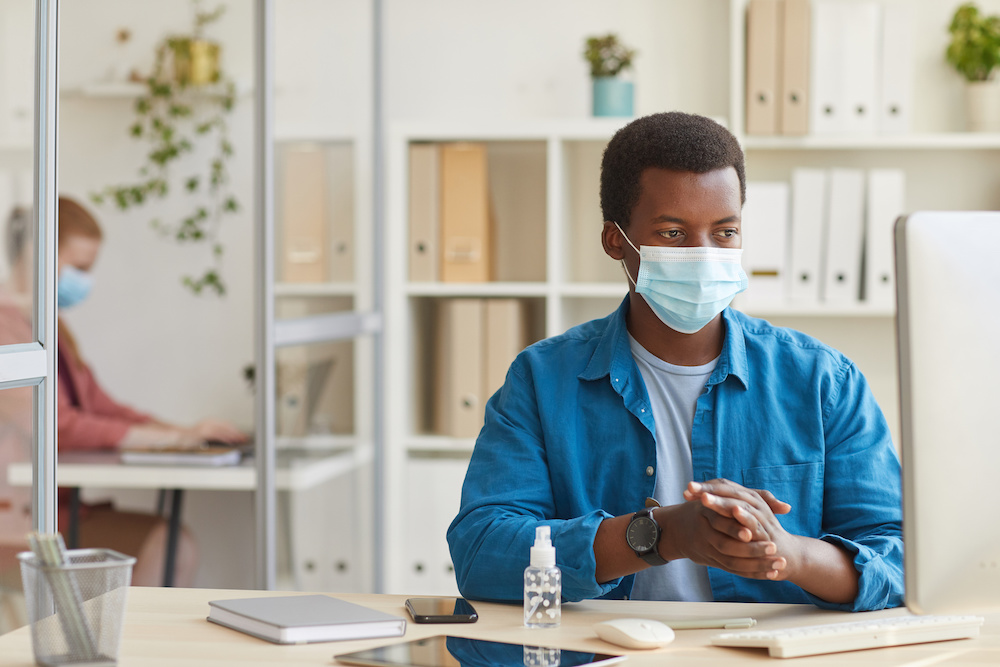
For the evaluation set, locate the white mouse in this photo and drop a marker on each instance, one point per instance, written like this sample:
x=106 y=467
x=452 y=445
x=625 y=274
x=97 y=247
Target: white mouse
x=634 y=632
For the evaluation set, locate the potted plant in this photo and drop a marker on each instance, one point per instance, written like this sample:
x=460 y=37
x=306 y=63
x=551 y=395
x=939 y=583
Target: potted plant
x=974 y=51
x=608 y=58
x=186 y=100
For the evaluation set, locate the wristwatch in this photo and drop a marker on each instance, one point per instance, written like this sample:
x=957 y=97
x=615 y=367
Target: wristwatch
x=643 y=536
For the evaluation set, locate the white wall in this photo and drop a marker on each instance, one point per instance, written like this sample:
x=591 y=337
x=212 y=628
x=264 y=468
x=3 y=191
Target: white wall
x=523 y=58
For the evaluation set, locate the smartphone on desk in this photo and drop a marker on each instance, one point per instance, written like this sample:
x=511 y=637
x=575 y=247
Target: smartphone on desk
x=441 y=610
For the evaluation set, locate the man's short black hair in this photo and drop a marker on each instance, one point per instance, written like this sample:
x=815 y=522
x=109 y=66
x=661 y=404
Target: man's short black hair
x=671 y=140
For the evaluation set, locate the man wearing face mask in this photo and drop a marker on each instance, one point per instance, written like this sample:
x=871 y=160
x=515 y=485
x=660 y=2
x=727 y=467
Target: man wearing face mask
x=679 y=449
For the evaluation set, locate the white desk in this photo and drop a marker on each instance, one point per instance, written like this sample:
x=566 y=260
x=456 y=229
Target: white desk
x=103 y=470
x=297 y=470
x=167 y=626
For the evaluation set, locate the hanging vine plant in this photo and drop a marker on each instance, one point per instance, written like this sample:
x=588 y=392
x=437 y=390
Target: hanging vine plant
x=185 y=104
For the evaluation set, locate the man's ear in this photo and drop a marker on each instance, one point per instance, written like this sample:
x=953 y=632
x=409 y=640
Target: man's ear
x=612 y=240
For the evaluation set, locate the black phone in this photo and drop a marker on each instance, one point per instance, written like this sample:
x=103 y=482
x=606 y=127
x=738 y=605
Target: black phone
x=441 y=610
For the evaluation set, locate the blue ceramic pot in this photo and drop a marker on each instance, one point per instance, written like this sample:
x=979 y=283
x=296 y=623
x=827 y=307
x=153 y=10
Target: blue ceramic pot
x=612 y=96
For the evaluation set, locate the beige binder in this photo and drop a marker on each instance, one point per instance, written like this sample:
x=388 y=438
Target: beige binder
x=465 y=214
x=458 y=400
x=763 y=56
x=303 y=216
x=340 y=201
x=424 y=211
x=794 y=78
x=506 y=335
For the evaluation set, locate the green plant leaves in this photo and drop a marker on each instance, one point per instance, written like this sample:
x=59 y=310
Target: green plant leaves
x=176 y=120
x=607 y=56
x=974 y=49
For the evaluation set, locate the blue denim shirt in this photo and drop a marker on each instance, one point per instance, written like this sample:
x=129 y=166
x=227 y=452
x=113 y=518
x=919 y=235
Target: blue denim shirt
x=568 y=441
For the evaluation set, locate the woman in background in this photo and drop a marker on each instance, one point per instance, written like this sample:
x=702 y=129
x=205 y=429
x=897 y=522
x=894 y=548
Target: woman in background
x=88 y=418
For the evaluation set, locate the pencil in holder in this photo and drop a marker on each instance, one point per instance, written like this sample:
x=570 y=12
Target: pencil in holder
x=77 y=609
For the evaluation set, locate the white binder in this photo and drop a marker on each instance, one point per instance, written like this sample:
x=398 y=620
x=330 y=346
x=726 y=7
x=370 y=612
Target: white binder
x=844 y=236
x=896 y=69
x=826 y=108
x=885 y=202
x=765 y=235
x=860 y=28
x=807 y=228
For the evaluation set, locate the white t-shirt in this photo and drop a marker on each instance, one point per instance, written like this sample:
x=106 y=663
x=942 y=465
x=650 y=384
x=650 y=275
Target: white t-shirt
x=673 y=392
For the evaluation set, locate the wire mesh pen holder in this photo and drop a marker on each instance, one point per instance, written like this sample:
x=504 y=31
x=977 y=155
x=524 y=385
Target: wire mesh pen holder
x=77 y=610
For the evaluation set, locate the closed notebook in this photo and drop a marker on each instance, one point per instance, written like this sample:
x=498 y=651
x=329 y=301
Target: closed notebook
x=301 y=619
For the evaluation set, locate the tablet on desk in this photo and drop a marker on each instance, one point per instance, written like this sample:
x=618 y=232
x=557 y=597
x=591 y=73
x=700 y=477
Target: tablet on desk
x=442 y=651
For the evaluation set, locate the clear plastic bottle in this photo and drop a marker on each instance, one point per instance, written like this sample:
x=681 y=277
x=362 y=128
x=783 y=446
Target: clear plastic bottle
x=542 y=584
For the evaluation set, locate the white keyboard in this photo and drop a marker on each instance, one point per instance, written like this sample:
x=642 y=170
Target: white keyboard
x=853 y=635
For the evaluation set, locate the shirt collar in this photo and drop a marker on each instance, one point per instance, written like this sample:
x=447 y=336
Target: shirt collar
x=613 y=357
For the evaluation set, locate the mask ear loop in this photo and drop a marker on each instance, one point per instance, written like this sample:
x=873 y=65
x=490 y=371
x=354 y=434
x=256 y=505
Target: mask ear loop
x=622 y=260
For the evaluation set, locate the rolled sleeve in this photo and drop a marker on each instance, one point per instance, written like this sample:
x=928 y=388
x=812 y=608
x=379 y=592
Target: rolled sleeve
x=508 y=492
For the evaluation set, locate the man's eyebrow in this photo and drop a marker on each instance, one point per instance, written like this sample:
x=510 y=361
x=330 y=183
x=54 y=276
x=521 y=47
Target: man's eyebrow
x=670 y=218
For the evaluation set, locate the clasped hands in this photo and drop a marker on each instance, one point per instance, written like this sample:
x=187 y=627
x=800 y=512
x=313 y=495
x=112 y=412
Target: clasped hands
x=733 y=528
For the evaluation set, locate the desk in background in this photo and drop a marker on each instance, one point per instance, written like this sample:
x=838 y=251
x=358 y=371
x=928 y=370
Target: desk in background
x=296 y=471
x=167 y=626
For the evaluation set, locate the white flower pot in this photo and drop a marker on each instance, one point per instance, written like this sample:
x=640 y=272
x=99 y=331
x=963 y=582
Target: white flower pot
x=982 y=105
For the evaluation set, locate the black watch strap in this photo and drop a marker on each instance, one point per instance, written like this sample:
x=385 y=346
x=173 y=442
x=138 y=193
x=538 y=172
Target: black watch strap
x=652 y=556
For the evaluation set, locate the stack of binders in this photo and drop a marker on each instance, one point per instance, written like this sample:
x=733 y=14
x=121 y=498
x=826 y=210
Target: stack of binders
x=828 y=67
x=451 y=220
x=475 y=342
x=827 y=239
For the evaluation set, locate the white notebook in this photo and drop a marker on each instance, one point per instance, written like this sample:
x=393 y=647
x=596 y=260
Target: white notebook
x=300 y=619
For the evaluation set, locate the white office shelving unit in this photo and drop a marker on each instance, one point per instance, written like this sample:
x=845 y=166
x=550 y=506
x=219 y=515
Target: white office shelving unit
x=945 y=168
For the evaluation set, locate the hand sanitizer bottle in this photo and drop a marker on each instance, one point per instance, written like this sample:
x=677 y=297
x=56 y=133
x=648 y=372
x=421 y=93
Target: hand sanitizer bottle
x=542 y=584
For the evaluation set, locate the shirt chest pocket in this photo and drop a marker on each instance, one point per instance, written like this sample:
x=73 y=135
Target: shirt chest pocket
x=801 y=486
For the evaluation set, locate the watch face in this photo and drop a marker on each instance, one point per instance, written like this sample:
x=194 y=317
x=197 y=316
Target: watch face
x=642 y=533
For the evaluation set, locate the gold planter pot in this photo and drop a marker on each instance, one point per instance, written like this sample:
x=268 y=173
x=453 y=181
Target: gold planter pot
x=196 y=61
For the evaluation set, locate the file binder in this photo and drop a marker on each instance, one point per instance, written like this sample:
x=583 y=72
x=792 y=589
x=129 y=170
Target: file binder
x=860 y=28
x=827 y=111
x=885 y=203
x=844 y=236
x=303 y=216
x=794 y=77
x=505 y=336
x=807 y=227
x=458 y=402
x=424 y=211
x=896 y=69
x=765 y=234
x=466 y=254
x=763 y=43
x=340 y=204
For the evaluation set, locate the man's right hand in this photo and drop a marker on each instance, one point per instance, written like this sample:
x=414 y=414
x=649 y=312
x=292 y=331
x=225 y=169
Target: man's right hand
x=707 y=537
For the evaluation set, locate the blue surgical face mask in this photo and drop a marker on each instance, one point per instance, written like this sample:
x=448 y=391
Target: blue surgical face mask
x=687 y=287
x=74 y=286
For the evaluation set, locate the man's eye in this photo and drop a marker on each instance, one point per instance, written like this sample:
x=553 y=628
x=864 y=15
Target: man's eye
x=670 y=233
x=729 y=233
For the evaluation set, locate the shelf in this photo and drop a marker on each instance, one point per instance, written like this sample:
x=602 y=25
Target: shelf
x=600 y=290
x=815 y=310
x=132 y=89
x=326 y=441
x=929 y=141
x=439 y=444
x=314 y=289
x=566 y=129
x=508 y=289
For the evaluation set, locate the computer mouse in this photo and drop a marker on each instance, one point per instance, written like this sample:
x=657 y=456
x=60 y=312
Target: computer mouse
x=634 y=632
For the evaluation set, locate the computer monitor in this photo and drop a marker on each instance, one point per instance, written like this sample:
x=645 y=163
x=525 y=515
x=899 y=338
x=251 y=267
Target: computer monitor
x=948 y=330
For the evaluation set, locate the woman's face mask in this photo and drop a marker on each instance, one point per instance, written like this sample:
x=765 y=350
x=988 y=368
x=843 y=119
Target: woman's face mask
x=73 y=287
x=687 y=287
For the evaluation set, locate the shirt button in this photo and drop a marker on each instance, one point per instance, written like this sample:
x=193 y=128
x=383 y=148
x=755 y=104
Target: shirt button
x=649 y=471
